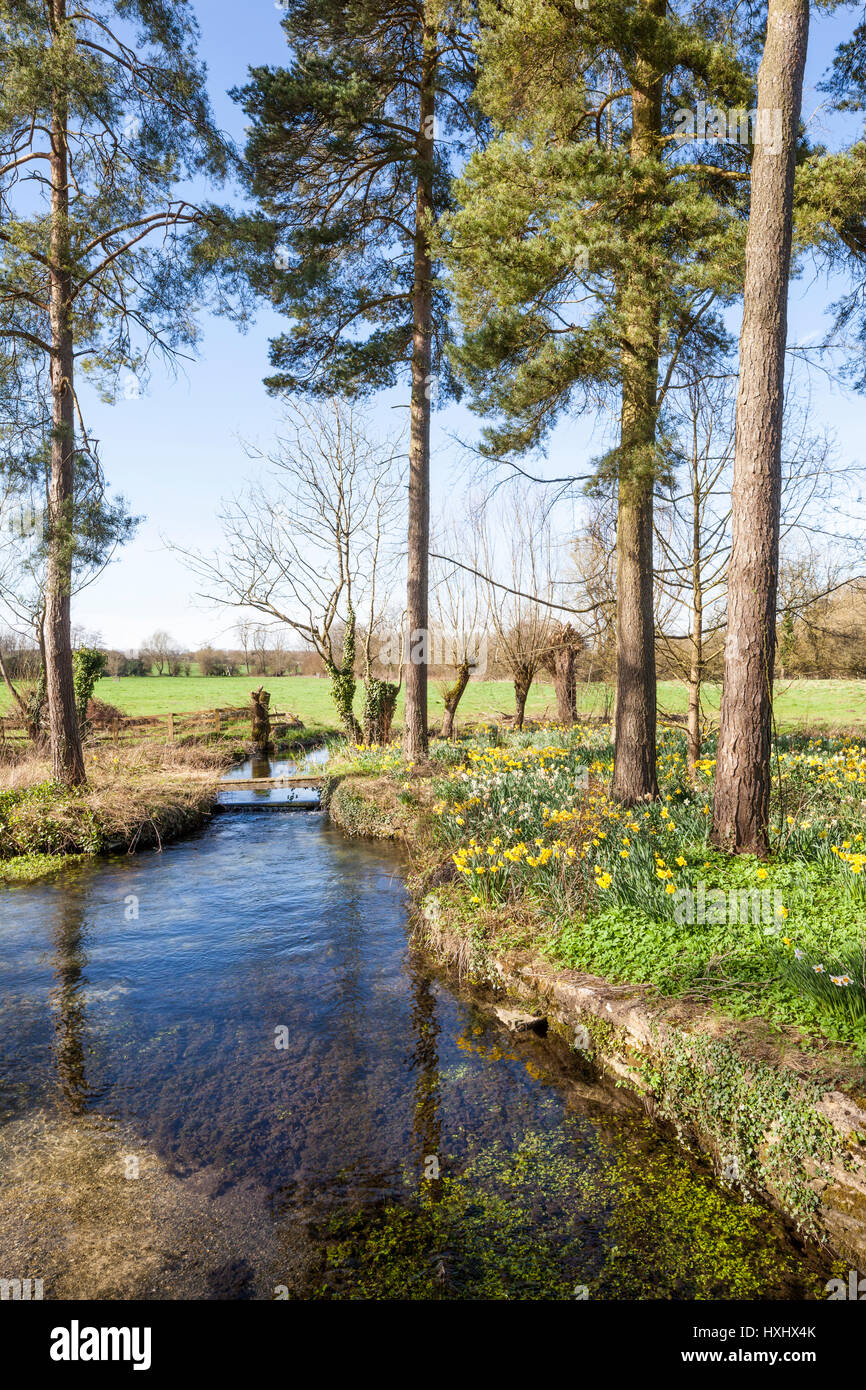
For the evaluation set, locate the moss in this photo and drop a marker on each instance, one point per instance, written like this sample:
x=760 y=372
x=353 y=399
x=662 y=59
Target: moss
x=762 y=1120
x=355 y=814
x=372 y=807
x=604 y=1038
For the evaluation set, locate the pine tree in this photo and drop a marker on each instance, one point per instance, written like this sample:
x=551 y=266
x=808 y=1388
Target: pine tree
x=592 y=254
x=348 y=157
x=828 y=203
x=101 y=112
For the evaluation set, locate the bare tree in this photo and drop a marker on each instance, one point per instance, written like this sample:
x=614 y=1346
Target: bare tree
x=380 y=693
x=693 y=540
x=160 y=651
x=693 y=526
x=243 y=629
x=460 y=602
x=304 y=546
x=591 y=586
x=520 y=548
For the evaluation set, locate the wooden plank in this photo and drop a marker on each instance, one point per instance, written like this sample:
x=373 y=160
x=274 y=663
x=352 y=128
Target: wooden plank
x=264 y=783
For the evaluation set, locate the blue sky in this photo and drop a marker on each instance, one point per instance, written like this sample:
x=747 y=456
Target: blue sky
x=176 y=450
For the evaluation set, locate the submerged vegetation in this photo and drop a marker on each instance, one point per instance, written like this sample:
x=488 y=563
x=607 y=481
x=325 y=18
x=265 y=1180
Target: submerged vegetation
x=524 y=1222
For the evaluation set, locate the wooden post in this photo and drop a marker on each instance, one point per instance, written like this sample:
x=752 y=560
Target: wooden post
x=216 y=722
x=171 y=726
x=261 y=724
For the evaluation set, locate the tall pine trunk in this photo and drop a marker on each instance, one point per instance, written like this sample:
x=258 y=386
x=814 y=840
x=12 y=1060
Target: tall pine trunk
x=634 y=771
x=696 y=667
x=418 y=653
x=66 y=753
x=742 y=797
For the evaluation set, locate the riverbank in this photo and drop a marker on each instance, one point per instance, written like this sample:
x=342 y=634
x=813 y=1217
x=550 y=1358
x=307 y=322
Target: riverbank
x=228 y=1075
x=135 y=798
x=705 y=1022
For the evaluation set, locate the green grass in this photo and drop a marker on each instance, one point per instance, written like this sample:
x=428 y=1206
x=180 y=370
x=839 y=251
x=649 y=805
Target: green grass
x=307 y=696
x=799 y=704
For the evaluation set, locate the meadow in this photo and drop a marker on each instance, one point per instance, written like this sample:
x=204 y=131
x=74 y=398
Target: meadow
x=837 y=705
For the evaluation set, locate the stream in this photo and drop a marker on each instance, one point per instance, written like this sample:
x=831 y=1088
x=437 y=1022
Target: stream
x=225 y=1072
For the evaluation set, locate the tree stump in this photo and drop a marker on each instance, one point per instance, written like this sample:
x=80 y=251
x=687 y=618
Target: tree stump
x=261 y=718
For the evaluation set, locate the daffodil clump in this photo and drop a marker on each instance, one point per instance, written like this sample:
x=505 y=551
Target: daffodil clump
x=640 y=894
x=539 y=818
x=853 y=862
x=836 y=984
x=375 y=758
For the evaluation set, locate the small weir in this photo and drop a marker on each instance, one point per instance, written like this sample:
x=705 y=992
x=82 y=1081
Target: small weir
x=279 y=784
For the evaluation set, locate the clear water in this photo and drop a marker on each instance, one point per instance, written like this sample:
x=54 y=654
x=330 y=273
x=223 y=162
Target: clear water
x=245 y=1007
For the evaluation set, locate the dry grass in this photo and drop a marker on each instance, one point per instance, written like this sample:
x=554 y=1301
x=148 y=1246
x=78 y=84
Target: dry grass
x=199 y=763
x=135 y=796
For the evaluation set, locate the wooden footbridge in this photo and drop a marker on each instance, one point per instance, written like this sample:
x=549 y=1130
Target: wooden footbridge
x=267 y=784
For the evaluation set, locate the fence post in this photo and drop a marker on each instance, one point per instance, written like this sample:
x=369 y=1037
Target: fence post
x=171 y=726
x=216 y=722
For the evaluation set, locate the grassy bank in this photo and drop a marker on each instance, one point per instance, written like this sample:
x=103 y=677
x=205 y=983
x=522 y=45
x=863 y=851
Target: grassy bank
x=530 y=849
x=729 y=993
x=135 y=797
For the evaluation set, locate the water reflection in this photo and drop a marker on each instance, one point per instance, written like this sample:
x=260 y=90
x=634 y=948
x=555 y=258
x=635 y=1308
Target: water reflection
x=67 y=1002
x=427 y=1121
x=166 y=1026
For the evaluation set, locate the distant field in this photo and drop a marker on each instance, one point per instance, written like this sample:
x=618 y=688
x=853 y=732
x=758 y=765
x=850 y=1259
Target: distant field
x=309 y=697
x=799 y=704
